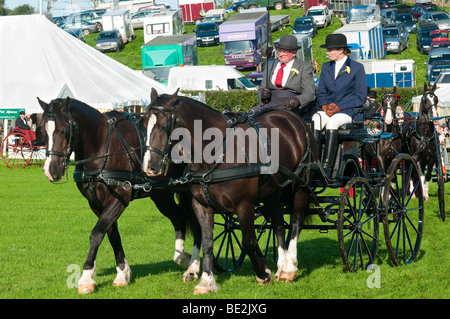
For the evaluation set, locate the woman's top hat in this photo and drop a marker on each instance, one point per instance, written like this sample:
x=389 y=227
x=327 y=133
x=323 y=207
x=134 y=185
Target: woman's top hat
x=335 y=40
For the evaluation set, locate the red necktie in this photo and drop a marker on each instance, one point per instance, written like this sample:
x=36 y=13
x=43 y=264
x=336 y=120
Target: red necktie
x=279 y=78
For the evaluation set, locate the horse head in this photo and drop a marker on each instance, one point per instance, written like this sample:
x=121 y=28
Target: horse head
x=157 y=125
x=389 y=105
x=56 y=125
x=428 y=104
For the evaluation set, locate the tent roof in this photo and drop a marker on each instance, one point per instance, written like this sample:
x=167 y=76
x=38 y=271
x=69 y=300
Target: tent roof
x=38 y=59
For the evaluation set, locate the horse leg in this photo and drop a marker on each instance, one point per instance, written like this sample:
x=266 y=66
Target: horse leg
x=205 y=216
x=250 y=245
x=289 y=269
x=168 y=207
x=123 y=269
x=107 y=218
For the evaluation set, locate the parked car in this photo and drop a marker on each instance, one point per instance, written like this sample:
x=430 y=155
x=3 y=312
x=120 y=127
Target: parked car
x=437 y=67
x=441 y=18
x=237 y=6
x=306 y=25
x=407 y=18
x=423 y=40
x=250 y=4
x=137 y=19
x=207 y=33
x=418 y=10
x=94 y=16
x=396 y=37
x=321 y=14
x=439 y=39
x=86 y=27
x=443 y=79
x=255 y=78
x=77 y=33
x=436 y=55
x=388 y=3
x=109 y=41
x=386 y=15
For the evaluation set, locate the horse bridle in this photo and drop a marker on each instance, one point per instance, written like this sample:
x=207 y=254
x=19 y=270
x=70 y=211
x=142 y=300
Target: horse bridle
x=171 y=120
x=71 y=124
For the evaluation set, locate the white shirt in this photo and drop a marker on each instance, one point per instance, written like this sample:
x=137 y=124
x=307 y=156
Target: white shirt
x=338 y=66
x=286 y=71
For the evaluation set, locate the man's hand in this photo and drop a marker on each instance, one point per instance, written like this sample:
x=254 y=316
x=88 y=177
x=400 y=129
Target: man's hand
x=266 y=94
x=293 y=103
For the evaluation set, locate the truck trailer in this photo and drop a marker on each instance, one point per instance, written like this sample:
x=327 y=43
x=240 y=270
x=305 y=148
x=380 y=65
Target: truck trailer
x=245 y=35
x=164 y=52
x=367 y=36
x=120 y=20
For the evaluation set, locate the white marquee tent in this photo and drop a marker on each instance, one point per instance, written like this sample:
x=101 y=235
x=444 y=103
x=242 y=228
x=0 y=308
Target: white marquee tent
x=37 y=59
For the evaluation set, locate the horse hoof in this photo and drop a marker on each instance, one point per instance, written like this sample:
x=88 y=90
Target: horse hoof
x=86 y=289
x=119 y=283
x=190 y=278
x=201 y=291
x=263 y=282
x=287 y=276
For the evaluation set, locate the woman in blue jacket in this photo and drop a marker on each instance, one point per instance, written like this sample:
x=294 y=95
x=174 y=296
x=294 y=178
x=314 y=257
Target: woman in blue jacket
x=342 y=87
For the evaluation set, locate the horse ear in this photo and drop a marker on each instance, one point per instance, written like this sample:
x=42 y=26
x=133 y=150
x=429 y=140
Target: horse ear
x=383 y=89
x=395 y=90
x=434 y=87
x=43 y=105
x=173 y=97
x=153 y=94
x=425 y=86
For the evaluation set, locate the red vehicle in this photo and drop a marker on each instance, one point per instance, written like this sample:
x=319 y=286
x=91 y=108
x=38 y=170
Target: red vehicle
x=311 y=3
x=439 y=35
x=194 y=10
x=418 y=10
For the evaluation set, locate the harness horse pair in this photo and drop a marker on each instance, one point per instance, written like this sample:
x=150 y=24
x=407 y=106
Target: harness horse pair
x=116 y=167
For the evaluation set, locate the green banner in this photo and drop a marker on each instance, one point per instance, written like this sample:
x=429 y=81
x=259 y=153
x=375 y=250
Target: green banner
x=8 y=114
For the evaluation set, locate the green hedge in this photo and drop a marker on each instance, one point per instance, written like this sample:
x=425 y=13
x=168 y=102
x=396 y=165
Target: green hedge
x=248 y=99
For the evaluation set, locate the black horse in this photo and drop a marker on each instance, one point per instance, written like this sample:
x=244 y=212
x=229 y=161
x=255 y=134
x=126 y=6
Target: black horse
x=107 y=150
x=419 y=135
x=221 y=181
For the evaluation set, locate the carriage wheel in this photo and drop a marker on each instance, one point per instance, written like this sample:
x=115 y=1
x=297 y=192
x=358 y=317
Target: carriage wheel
x=440 y=181
x=228 y=253
x=16 y=150
x=358 y=225
x=403 y=212
x=38 y=157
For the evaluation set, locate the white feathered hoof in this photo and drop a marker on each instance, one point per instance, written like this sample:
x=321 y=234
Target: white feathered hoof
x=287 y=276
x=86 y=289
x=207 y=285
x=189 y=277
x=123 y=276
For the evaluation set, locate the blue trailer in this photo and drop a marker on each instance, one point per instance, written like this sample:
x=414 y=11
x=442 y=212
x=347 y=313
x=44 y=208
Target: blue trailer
x=390 y=73
x=368 y=36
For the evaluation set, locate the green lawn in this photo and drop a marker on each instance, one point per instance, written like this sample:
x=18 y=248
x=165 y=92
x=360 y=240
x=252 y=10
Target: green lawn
x=44 y=239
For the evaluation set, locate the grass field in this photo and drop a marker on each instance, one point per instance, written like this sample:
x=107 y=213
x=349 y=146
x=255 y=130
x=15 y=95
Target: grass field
x=44 y=239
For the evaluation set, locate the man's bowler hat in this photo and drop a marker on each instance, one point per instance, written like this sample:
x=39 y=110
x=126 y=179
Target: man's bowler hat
x=287 y=42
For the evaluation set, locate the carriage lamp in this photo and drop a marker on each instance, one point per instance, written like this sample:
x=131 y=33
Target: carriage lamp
x=375 y=127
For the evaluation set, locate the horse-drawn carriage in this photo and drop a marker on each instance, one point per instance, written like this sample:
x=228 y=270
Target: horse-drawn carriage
x=252 y=201
x=18 y=151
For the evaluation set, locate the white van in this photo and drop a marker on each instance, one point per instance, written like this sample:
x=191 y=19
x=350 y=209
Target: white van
x=208 y=77
x=165 y=22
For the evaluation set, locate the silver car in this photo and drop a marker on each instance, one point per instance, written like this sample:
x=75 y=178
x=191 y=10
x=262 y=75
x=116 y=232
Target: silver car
x=137 y=19
x=441 y=18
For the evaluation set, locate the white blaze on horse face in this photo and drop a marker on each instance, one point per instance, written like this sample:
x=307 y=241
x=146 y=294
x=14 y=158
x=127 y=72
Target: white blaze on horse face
x=388 y=118
x=147 y=156
x=50 y=128
x=431 y=100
